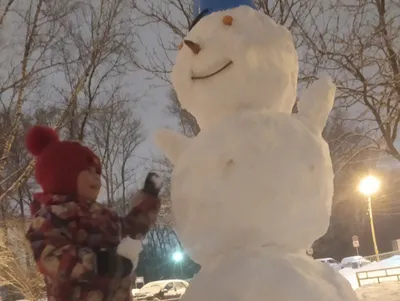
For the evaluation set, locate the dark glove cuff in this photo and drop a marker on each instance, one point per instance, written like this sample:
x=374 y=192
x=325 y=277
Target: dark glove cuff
x=110 y=264
x=103 y=261
x=152 y=184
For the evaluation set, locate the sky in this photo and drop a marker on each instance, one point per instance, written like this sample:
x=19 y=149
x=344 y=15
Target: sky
x=152 y=110
x=152 y=106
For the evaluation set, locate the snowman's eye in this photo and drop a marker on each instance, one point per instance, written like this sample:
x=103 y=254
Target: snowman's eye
x=180 y=46
x=227 y=20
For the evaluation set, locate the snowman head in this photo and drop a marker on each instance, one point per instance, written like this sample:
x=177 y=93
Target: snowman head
x=235 y=59
x=255 y=181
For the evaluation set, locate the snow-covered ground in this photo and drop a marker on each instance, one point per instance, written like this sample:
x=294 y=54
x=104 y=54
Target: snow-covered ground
x=392 y=262
x=387 y=291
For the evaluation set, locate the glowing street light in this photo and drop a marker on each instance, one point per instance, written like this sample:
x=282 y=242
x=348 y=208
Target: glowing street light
x=369 y=186
x=177 y=256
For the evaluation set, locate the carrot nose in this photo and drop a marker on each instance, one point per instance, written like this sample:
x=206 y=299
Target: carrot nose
x=193 y=46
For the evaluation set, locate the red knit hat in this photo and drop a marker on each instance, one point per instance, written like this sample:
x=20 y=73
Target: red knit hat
x=58 y=163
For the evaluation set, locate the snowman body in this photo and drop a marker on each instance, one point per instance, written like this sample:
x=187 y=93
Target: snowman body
x=246 y=178
x=249 y=195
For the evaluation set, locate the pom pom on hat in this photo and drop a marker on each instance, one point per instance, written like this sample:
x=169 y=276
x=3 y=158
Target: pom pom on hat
x=38 y=138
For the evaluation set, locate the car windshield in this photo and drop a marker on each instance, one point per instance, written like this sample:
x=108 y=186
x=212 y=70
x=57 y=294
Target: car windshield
x=150 y=288
x=324 y=259
x=352 y=259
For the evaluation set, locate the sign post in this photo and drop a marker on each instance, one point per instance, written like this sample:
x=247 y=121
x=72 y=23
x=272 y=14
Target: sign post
x=356 y=243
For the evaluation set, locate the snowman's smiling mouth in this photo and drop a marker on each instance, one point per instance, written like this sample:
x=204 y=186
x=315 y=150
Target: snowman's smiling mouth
x=204 y=76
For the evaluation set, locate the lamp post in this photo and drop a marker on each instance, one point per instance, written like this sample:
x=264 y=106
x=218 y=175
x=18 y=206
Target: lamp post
x=369 y=186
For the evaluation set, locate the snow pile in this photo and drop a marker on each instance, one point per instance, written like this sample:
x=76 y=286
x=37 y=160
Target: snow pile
x=380 y=292
x=350 y=275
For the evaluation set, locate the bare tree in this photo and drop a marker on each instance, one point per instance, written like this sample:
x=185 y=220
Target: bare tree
x=73 y=51
x=117 y=133
x=26 y=63
x=17 y=267
x=16 y=204
x=99 y=39
x=358 y=45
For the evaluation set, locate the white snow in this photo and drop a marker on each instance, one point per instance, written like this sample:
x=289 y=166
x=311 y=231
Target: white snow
x=130 y=248
x=253 y=190
x=263 y=74
x=254 y=183
x=266 y=274
x=350 y=275
x=252 y=170
x=376 y=269
x=380 y=292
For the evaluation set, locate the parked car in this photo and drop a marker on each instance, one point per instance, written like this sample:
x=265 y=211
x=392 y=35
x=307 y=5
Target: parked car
x=332 y=262
x=354 y=262
x=139 y=283
x=172 y=289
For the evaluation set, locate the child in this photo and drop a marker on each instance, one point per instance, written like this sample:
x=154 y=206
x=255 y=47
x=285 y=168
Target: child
x=74 y=239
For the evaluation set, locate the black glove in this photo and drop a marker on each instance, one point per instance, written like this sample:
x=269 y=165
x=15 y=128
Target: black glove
x=152 y=184
x=112 y=265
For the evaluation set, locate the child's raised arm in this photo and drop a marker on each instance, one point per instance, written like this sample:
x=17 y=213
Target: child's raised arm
x=146 y=205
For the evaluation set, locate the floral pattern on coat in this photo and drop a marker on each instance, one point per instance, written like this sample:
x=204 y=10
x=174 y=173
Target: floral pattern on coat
x=66 y=233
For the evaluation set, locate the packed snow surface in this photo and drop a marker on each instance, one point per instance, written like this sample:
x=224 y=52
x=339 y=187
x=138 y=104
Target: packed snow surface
x=389 y=291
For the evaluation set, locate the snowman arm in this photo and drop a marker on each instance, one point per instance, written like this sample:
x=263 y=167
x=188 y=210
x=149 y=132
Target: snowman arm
x=317 y=101
x=172 y=144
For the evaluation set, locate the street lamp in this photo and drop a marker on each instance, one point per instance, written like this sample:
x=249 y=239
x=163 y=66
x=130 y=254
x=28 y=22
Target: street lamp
x=369 y=186
x=177 y=256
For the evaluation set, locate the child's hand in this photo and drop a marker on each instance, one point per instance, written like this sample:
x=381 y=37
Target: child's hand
x=147 y=199
x=152 y=184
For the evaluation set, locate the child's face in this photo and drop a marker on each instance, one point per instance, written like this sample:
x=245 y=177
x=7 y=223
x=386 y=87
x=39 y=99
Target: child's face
x=89 y=184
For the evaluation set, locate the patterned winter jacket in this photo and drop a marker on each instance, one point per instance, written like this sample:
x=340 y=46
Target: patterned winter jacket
x=64 y=235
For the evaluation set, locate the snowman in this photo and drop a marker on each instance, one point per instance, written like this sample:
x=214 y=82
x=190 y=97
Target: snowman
x=253 y=190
